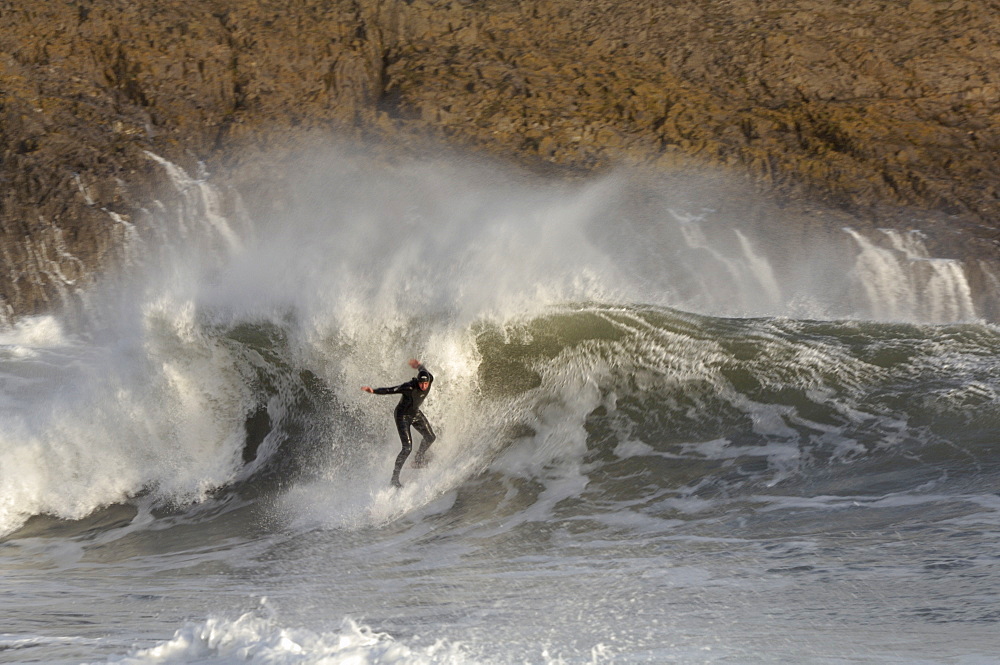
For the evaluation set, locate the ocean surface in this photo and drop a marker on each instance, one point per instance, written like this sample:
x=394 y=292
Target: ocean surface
x=663 y=436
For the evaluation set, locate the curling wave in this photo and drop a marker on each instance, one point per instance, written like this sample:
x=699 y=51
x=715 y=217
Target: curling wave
x=559 y=322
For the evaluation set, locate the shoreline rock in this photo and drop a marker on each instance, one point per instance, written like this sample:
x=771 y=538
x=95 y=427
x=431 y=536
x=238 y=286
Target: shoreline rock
x=886 y=112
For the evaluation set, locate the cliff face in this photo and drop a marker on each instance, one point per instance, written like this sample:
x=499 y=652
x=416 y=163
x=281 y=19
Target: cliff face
x=869 y=105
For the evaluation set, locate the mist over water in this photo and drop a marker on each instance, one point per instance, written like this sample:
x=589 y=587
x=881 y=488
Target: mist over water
x=652 y=421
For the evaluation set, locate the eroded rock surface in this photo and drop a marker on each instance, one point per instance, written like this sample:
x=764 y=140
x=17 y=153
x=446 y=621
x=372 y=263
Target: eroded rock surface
x=888 y=110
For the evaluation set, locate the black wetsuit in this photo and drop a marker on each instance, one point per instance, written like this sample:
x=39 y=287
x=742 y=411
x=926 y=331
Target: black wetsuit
x=408 y=413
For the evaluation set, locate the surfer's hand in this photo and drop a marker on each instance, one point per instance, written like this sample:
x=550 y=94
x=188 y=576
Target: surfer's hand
x=414 y=363
x=368 y=389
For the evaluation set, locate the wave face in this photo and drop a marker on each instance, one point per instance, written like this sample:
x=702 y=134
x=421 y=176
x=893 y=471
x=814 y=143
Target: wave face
x=634 y=373
x=230 y=331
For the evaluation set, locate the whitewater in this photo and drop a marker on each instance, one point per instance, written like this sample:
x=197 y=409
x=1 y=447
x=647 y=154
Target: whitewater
x=664 y=435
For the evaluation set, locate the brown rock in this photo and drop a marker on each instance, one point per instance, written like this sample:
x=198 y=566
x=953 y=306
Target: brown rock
x=870 y=105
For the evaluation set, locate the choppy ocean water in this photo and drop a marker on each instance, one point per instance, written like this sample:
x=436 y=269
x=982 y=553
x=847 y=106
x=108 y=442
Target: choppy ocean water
x=656 y=444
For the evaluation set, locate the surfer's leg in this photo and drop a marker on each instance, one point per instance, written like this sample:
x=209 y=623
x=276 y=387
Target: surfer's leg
x=403 y=425
x=421 y=424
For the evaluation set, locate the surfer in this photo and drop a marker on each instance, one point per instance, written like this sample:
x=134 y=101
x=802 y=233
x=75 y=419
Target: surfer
x=408 y=413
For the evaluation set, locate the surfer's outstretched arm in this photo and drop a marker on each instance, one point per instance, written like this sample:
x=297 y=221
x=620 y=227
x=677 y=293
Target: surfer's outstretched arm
x=394 y=390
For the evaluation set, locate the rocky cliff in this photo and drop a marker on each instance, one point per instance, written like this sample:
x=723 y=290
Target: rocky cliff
x=884 y=109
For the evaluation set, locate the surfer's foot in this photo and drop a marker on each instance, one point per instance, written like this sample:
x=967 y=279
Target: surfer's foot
x=421 y=460
x=395 y=483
